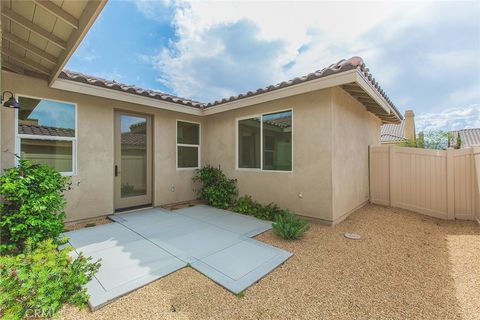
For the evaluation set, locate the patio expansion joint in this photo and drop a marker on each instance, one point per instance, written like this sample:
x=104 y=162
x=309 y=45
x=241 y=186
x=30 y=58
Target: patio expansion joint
x=173 y=255
x=249 y=234
x=189 y=259
x=232 y=274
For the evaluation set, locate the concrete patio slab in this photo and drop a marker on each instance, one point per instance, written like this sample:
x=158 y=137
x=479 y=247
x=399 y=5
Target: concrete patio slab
x=241 y=265
x=203 y=212
x=139 y=247
x=128 y=261
x=234 y=222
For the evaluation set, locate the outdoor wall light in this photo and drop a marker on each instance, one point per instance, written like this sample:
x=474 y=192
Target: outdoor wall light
x=11 y=102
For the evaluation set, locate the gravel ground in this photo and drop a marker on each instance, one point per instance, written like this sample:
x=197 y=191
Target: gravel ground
x=406 y=266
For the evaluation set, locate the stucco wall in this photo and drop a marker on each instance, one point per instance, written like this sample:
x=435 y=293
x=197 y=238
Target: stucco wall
x=331 y=134
x=354 y=130
x=92 y=193
x=311 y=175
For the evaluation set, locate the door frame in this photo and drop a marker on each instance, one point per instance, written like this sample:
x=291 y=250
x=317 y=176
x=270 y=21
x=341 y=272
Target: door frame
x=120 y=203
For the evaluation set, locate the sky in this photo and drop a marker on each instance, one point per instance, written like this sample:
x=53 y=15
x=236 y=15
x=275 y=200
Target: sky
x=425 y=55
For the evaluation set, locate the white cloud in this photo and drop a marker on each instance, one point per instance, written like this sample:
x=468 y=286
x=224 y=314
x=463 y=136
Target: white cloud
x=225 y=60
x=225 y=48
x=449 y=119
x=463 y=95
x=305 y=30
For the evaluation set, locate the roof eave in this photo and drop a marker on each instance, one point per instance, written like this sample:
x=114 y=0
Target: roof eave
x=387 y=114
x=92 y=90
x=304 y=87
x=90 y=14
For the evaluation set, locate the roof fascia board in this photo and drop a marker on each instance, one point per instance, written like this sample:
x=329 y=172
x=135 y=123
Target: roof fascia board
x=369 y=89
x=92 y=90
x=308 y=86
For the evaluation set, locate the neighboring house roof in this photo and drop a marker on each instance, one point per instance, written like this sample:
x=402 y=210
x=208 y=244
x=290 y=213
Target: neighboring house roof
x=128 y=138
x=45 y=130
x=133 y=139
x=392 y=132
x=468 y=137
x=354 y=63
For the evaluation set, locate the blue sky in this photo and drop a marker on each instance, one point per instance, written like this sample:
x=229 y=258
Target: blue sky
x=426 y=55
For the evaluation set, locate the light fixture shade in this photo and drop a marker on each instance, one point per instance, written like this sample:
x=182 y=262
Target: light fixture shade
x=11 y=103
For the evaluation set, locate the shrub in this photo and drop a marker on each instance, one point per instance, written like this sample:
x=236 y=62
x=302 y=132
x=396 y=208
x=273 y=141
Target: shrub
x=39 y=281
x=246 y=205
x=289 y=226
x=32 y=205
x=217 y=189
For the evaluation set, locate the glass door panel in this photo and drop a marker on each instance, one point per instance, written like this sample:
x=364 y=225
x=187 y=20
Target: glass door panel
x=132 y=160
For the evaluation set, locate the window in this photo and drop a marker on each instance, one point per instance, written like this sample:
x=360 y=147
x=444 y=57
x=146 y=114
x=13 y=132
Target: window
x=46 y=133
x=249 y=143
x=188 y=145
x=265 y=142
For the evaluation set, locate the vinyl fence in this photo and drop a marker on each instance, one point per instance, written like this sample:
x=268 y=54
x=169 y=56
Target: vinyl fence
x=438 y=183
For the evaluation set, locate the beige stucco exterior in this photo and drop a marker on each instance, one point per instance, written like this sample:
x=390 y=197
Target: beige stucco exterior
x=312 y=143
x=354 y=131
x=92 y=189
x=331 y=135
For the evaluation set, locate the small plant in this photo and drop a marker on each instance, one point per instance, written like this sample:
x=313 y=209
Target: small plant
x=33 y=205
x=38 y=282
x=289 y=226
x=246 y=205
x=240 y=294
x=218 y=190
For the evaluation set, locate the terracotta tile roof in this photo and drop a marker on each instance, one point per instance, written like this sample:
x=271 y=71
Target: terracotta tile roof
x=133 y=139
x=468 y=137
x=114 y=85
x=339 y=67
x=45 y=131
x=391 y=132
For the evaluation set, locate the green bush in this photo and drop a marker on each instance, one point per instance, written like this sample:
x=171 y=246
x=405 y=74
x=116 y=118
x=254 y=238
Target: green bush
x=39 y=281
x=32 y=205
x=246 y=205
x=289 y=226
x=217 y=189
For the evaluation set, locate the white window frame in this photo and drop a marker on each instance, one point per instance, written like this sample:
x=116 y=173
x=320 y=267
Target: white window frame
x=260 y=115
x=188 y=145
x=19 y=136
